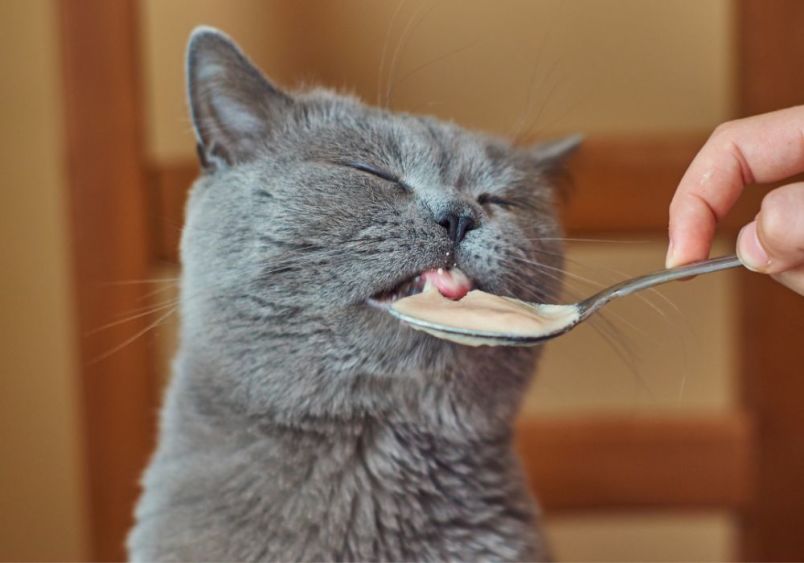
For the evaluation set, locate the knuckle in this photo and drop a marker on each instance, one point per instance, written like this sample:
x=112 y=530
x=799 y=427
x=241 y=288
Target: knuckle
x=724 y=130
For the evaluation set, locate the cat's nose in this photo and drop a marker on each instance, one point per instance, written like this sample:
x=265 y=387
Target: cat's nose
x=457 y=224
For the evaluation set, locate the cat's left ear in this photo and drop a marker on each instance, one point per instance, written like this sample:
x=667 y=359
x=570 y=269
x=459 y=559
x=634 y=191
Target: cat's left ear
x=553 y=155
x=232 y=105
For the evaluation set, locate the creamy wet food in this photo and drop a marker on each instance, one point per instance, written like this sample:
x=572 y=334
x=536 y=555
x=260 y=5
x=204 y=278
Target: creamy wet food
x=479 y=317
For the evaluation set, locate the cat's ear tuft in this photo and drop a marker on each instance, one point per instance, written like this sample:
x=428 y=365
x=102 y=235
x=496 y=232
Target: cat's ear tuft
x=554 y=154
x=232 y=105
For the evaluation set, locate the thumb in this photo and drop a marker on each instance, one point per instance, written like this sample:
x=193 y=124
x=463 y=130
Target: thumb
x=774 y=242
x=793 y=279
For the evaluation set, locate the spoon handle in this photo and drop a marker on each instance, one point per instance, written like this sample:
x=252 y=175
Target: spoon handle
x=591 y=304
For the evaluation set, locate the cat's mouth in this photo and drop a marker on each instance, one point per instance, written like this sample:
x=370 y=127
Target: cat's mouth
x=451 y=283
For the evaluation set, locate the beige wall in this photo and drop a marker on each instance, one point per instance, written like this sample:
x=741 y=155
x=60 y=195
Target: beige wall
x=42 y=501
x=594 y=65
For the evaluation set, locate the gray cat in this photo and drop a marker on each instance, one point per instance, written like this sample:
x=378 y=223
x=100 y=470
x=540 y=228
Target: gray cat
x=302 y=421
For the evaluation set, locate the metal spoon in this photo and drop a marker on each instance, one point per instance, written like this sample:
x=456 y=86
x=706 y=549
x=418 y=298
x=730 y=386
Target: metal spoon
x=559 y=319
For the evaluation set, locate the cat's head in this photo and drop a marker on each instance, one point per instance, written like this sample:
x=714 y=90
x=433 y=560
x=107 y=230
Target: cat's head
x=314 y=210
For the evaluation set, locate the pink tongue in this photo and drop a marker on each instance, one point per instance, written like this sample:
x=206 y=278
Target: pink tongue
x=452 y=284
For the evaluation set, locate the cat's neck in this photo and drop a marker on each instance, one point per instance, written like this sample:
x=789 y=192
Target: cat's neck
x=463 y=405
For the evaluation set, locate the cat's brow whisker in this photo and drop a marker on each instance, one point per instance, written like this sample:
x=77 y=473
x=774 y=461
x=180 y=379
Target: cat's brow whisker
x=423 y=66
x=417 y=18
x=534 y=130
x=516 y=128
x=385 y=45
x=519 y=137
x=546 y=101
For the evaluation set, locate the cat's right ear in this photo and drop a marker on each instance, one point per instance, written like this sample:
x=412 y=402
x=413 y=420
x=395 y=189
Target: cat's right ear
x=232 y=105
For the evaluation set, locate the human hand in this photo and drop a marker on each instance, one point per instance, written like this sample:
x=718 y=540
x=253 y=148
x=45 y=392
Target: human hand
x=763 y=148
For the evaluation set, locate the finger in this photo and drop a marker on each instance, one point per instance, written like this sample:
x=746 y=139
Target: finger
x=774 y=241
x=763 y=148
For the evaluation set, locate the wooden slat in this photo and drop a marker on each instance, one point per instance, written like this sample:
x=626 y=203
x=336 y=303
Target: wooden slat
x=169 y=185
x=621 y=462
x=620 y=185
x=107 y=198
x=624 y=184
x=771 y=48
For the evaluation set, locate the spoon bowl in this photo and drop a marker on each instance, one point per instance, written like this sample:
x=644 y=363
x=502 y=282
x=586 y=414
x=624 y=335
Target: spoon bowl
x=529 y=323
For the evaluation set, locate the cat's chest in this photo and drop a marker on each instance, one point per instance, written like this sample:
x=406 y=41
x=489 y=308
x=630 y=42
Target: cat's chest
x=379 y=496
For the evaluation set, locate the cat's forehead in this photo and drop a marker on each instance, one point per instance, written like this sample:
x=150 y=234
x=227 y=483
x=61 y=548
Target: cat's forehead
x=411 y=144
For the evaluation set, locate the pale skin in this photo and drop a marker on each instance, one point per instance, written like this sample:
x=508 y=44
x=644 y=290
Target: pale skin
x=759 y=149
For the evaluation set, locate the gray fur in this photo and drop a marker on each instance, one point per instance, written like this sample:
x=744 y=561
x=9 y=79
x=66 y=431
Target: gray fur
x=301 y=423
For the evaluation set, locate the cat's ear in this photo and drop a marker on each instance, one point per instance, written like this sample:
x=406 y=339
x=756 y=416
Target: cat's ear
x=232 y=105
x=552 y=155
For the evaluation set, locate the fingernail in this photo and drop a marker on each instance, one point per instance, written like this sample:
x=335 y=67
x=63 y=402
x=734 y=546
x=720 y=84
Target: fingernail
x=669 y=260
x=750 y=250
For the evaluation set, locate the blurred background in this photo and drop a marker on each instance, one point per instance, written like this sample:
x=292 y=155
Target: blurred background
x=667 y=430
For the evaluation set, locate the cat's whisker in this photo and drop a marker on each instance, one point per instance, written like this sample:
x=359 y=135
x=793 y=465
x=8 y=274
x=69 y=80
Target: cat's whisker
x=562 y=271
x=624 y=275
x=554 y=276
x=617 y=342
x=619 y=345
x=590 y=240
x=141 y=282
x=653 y=306
x=158 y=291
x=150 y=310
x=605 y=328
x=128 y=341
x=573 y=296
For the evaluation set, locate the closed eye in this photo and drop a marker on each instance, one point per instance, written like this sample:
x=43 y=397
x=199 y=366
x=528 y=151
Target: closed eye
x=489 y=199
x=378 y=172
